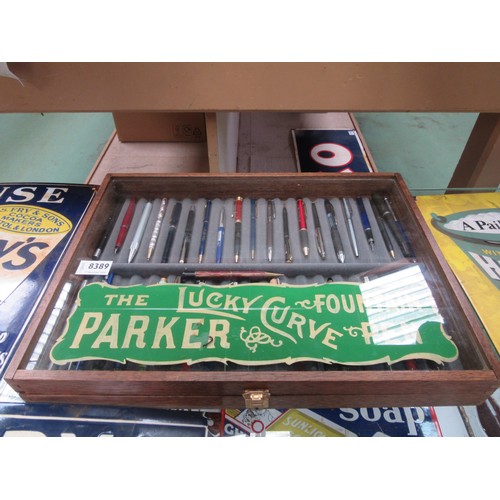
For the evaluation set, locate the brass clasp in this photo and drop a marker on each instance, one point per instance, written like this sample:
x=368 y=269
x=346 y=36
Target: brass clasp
x=256 y=399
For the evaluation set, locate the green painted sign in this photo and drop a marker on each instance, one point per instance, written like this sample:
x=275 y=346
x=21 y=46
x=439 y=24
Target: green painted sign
x=477 y=233
x=251 y=324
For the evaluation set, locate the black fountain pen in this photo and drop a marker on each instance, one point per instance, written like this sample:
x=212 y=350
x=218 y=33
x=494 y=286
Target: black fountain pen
x=286 y=236
x=365 y=221
x=238 y=213
x=174 y=220
x=386 y=213
x=105 y=237
x=204 y=231
x=334 y=230
x=188 y=233
x=383 y=232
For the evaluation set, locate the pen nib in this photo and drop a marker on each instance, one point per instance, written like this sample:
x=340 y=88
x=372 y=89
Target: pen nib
x=341 y=257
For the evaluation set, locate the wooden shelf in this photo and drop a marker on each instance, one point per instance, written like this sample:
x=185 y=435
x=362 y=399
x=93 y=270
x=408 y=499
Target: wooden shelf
x=248 y=142
x=212 y=87
x=265 y=143
x=282 y=87
x=149 y=157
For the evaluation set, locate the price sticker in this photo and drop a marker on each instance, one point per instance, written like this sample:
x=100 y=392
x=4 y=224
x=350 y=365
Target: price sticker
x=94 y=267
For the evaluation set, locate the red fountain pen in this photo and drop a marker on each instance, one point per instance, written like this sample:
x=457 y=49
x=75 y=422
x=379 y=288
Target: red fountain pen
x=127 y=219
x=304 y=239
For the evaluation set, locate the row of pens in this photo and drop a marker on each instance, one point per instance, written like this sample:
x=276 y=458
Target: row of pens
x=386 y=219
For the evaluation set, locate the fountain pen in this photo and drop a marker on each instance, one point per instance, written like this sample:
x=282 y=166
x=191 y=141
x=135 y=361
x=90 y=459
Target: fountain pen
x=334 y=230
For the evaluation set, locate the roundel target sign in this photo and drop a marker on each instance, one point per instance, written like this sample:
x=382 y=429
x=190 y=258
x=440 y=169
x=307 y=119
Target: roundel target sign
x=331 y=155
x=332 y=151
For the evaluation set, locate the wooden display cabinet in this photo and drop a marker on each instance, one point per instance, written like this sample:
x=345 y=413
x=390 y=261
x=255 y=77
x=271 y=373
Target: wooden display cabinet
x=420 y=381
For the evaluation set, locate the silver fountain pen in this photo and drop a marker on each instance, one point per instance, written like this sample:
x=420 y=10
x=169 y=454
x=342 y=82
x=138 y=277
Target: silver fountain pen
x=271 y=214
x=317 y=232
x=348 y=217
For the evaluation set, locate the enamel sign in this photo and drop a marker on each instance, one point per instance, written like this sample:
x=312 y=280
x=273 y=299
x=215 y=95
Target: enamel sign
x=253 y=324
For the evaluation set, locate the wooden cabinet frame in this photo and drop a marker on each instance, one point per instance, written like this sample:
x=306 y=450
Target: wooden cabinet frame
x=299 y=87
x=471 y=383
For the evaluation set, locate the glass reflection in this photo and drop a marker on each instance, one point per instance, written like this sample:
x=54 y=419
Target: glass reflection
x=397 y=304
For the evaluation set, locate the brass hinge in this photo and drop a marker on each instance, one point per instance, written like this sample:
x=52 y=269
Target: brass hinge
x=256 y=399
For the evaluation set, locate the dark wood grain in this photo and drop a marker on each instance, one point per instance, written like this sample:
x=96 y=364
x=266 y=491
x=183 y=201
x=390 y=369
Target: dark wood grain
x=471 y=384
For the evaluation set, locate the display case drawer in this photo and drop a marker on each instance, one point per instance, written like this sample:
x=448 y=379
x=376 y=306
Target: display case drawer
x=310 y=290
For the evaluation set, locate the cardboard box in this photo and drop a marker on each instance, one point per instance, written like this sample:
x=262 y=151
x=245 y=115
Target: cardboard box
x=160 y=127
